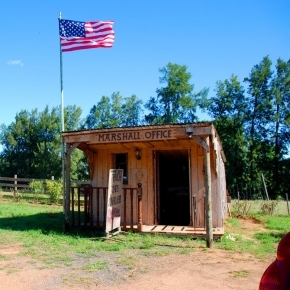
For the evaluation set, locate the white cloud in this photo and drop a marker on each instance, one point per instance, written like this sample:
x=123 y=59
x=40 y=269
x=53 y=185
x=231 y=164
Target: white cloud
x=15 y=62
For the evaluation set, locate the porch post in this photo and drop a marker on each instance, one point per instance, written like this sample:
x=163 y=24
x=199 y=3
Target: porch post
x=66 y=197
x=209 y=233
x=140 y=217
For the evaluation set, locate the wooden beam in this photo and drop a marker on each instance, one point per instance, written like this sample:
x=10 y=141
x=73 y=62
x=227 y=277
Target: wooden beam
x=71 y=147
x=84 y=146
x=201 y=143
x=197 y=131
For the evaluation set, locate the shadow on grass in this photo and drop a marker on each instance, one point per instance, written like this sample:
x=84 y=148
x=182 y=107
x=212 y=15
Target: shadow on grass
x=273 y=236
x=47 y=223
x=44 y=199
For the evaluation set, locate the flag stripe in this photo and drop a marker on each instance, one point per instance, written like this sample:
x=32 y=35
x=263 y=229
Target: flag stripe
x=97 y=34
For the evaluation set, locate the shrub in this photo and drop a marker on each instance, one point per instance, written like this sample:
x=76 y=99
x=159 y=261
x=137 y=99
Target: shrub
x=241 y=207
x=269 y=206
x=54 y=190
x=36 y=188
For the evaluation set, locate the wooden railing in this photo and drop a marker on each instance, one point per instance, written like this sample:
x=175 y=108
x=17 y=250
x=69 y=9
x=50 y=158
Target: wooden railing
x=89 y=204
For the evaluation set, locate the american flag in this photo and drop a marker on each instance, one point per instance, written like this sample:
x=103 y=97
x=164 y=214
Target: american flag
x=76 y=35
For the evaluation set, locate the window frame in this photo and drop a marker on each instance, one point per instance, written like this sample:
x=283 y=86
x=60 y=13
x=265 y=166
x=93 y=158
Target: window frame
x=123 y=164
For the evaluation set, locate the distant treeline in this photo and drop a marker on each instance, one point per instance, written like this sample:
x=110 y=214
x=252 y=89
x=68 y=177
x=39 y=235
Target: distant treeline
x=252 y=117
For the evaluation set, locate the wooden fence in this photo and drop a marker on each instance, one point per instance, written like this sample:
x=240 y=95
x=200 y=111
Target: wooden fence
x=15 y=183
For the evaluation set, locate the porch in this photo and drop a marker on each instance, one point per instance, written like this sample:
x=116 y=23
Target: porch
x=88 y=209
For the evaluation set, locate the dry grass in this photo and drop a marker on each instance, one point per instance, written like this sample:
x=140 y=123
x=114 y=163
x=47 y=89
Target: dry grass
x=256 y=205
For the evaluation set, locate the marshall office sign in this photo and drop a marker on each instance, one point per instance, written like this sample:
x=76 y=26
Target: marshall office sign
x=126 y=136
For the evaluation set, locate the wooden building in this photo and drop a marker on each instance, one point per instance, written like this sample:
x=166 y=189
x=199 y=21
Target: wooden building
x=173 y=181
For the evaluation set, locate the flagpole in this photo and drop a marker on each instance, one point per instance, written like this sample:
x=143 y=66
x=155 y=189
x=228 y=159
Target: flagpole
x=61 y=85
x=62 y=129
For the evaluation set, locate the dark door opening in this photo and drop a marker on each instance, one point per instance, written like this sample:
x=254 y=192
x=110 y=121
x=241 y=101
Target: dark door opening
x=173 y=187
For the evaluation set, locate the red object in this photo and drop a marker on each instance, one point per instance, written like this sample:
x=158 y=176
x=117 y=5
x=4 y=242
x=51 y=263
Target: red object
x=277 y=275
x=270 y=278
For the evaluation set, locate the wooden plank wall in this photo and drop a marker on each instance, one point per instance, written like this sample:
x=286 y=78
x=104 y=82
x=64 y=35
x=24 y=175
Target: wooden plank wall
x=143 y=171
x=194 y=184
x=198 y=185
x=138 y=171
x=148 y=198
x=214 y=190
x=221 y=184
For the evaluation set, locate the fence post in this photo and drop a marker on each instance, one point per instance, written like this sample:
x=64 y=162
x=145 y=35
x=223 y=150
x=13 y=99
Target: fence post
x=287 y=202
x=52 y=177
x=15 y=185
x=265 y=187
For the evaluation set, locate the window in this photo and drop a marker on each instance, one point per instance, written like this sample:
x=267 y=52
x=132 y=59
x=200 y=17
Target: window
x=121 y=162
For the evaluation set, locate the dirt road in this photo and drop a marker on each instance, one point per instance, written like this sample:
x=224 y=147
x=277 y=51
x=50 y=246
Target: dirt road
x=199 y=269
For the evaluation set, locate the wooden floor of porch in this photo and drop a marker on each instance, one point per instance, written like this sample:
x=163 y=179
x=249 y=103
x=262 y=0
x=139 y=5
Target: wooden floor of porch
x=177 y=230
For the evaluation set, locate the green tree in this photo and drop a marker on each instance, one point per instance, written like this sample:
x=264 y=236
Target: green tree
x=175 y=102
x=46 y=157
x=18 y=141
x=227 y=108
x=98 y=115
x=72 y=118
x=281 y=121
x=32 y=144
x=79 y=166
x=254 y=127
x=132 y=112
x=105 y=114
x=114 y=112
x=259 y=109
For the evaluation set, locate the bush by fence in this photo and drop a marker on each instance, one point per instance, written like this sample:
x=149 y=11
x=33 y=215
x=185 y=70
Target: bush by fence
x=50 y=187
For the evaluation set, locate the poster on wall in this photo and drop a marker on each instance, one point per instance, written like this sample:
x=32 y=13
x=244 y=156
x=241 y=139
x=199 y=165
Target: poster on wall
x=114 y=200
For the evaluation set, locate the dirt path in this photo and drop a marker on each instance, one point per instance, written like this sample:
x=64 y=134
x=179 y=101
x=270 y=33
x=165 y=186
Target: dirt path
x=200 y=269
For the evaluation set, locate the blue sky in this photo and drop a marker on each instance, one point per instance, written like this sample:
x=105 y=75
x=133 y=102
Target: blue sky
x=214 y=38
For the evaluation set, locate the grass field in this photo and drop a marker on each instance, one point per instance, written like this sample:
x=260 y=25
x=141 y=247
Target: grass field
x=39 y=224
x=84 y=258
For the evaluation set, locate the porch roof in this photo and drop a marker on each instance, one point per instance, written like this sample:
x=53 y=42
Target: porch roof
x=149 y=136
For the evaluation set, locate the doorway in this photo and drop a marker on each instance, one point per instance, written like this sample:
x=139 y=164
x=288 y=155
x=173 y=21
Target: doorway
x=173 y=187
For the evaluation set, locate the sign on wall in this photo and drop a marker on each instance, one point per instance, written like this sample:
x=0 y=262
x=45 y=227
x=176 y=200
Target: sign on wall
x=134 y=136
x=114 y=201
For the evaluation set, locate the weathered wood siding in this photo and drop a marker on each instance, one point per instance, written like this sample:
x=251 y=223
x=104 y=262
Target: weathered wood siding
x=138 y=171
x=198 y=184
x=143 y=171
x=101 y=145
x=221 y=205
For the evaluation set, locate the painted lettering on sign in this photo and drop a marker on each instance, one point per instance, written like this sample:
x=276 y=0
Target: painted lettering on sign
x=158 y=134
x=133 y=136
x=115 y=137
x=114 y=201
